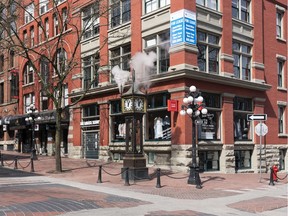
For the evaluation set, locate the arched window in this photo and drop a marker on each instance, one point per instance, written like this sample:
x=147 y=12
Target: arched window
x=60 y=61
x=28 y=75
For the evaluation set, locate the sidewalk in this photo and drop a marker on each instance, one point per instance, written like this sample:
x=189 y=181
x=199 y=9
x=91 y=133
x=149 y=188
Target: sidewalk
x=241 y=192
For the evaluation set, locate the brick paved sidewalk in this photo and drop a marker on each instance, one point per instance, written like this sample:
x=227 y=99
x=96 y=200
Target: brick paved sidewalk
x=172 y=184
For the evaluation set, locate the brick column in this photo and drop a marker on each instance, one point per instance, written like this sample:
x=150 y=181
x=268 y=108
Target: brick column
x=104 y=71
x=136 y=26
x=104 y=133
x=258 y=44
x=226 y=57
x=227 y=159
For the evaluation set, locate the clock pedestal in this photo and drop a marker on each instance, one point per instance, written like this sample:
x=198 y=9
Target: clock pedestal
x=134 y=107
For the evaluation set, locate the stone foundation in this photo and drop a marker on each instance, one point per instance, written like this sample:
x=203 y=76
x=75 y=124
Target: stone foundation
x=227 y=159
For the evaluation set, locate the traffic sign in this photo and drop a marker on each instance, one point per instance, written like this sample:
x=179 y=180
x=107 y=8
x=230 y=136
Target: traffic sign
x=261 y=129
x=259 y=117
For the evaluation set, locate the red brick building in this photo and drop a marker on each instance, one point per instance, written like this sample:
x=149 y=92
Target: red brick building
x=234 y=52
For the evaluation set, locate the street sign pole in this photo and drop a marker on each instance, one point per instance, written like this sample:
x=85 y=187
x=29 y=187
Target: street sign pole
x=260 y=151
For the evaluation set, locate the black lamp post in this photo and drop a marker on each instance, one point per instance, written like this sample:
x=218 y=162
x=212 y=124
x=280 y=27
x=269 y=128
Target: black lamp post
x=195 y=108
x=32 y=115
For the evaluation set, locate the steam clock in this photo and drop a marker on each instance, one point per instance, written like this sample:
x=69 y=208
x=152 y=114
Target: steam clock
x=134 y=107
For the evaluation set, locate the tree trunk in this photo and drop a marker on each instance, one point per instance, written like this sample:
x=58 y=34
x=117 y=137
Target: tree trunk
x=58 y=141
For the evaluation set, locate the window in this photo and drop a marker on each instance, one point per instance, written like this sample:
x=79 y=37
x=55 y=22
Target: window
x=64 y=19
x=28 y=74
x=242 y=128
x=118 y=121
x=40 y=34
x=1 y=63
x=90 y=20
x=29 y=13
x=56 y=25
x=241 y=10
x=158 y=123
x=46 y=28
x=210 y=128
x=14 y=85
x=43 y=6
x=120 y=12
x=282 y=153
x=90 y=113
x=281 y=119
x=90 y=68
x=11 y=58
x=151 y=5
x=242 y=61
x=279 y=24
x=159 y=44
x=25 y=38
x=60 y=58
x=280 y=72
x=13 y=27
x=242 y=159
x=212 y=4
x=121 y=56
x=209 y=160
x=28 y=100
x=32 y=38
x=1 y=92
x=208 y=52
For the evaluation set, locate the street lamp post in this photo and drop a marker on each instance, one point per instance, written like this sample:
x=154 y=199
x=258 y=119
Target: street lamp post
x=195 y=108
x=32 y=115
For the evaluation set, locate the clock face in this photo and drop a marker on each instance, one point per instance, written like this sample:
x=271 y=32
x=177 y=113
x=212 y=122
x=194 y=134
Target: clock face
x=139 y=104
x=128 y=105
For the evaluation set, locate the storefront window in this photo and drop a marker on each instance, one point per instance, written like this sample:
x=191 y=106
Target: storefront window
x=242 y=128
x=118 y=127
x=158 y=123
x=210 y=127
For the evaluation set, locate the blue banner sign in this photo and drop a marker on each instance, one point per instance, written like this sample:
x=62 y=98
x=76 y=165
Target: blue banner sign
x=183 y=27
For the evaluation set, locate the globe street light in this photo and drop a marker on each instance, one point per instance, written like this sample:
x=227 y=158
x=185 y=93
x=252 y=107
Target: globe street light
x=32 y=115
x=195 y=108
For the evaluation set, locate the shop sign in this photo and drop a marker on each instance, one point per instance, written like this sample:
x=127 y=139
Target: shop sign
x=88 y=123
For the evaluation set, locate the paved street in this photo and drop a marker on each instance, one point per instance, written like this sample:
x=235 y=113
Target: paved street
x=76 y=191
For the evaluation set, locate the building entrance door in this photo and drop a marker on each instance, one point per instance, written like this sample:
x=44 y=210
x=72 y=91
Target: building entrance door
x=91 y=140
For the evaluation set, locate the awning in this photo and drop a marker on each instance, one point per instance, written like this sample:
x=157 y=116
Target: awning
x=17 y=122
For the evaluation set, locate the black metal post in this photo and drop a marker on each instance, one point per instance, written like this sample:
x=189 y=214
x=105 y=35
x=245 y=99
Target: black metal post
x=271 y=177
x=2 y=161
x=16 y=163
x=100 y=174
x=194 y=177
x=33 y=152
x=127 y=177
x=158 y=184
x=32 y=165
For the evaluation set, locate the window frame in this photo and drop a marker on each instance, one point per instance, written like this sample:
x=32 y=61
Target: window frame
x=119 y=9
x=92 y=19
x=207 y=3
x=154 y=5
x=29 y=13
x=43 y=6
x=242 y=55
x=93 y=64
x=208 y=45
x=281 y=119
x=159 y=43
x=28 y=74
x=239 y=8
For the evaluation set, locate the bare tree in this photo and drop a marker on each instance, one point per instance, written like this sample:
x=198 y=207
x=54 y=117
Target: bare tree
x=51 y=52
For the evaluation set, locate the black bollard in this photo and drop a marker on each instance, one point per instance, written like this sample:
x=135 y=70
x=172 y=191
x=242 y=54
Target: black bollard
x=127 y=177
x=16 y=163
x=2 y=161
x=158 y=173
x=198 y=180
x=271 y=177
x=100 y=174
x=32 y=165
